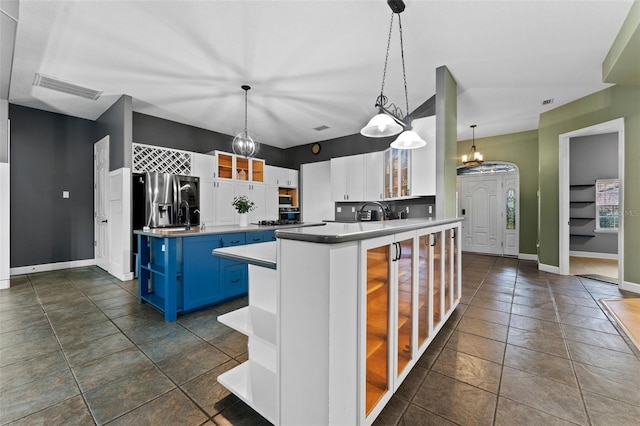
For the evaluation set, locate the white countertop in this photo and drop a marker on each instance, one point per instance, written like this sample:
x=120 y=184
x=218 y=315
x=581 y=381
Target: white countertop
x=261 y=254
x=336 y=232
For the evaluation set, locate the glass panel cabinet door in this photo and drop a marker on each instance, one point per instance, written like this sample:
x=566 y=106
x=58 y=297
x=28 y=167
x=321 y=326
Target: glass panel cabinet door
x=404 y=189
x=257 y=170
x=225 y=165
x=424 y=262
x=377 y=332
x=242 y=168
x=456 y=260
x=436 y=243
x=405 y=304
x=448 y=261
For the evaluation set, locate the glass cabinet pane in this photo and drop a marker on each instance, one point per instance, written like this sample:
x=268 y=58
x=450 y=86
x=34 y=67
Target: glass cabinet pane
x=405 y=297
x=377 y=378
x=225 y=165
x=447 y=268
x=257 y=170
x=456 y=288
x=436 y=243
x=242 y=168
x=404 y=173
x=424 y=260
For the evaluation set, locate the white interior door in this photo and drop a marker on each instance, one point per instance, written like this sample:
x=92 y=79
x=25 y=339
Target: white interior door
x=101 y=201
x=490 y=203
x=479 y=201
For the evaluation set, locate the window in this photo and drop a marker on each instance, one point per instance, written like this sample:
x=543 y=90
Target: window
x=511 y=209
x=607 y=205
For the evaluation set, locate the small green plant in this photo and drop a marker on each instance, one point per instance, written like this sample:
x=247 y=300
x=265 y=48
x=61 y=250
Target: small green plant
x=243 y=204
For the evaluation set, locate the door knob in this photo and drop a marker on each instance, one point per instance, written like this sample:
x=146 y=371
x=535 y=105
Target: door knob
x=105 y=221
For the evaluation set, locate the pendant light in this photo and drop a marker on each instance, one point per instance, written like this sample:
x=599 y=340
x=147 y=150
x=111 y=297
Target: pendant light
x=389 y=121
x=474 y=158
x=245 y=143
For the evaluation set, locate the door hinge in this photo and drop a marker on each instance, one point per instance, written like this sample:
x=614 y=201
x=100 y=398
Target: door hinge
x=95 y=243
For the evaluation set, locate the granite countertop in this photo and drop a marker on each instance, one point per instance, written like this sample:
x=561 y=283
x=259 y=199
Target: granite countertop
x=337 y=232
x=213 y=230
x=262 y=254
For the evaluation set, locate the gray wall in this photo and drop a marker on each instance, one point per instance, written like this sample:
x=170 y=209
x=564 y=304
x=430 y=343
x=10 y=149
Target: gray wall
x=116 y=123
x=591 y=157
x=50 y=153
x=156 y=131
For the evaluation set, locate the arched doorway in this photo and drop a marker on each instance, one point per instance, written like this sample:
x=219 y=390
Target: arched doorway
x=489 y=200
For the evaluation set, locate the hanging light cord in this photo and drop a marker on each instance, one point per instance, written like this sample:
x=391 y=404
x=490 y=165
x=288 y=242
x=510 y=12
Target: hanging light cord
x=404 y=73
x=246 y=91
x=383 y=99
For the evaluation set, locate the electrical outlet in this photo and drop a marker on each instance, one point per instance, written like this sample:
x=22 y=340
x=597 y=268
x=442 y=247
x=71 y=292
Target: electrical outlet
x=353 y=209
x=162 y=247
x=339 y=209
x=65 y=194
x=407 y=209
x=430 y=209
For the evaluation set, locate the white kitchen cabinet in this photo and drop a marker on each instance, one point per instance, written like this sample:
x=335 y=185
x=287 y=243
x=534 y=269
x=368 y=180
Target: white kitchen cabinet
x=271 y=202
x=347 y=178
x=409 y=173
x=203 y=165
x=236 y=167
x=255 y=193
x=317 y=204
x=207 y=201
x=280 y=176
x=224 y=193
x=373 y=176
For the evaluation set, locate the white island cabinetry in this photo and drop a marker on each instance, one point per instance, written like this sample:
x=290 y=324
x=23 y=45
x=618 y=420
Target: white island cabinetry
x=332 y=348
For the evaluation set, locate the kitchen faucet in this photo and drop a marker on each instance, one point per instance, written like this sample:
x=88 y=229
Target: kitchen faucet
x=376 y=203
x=187 y=224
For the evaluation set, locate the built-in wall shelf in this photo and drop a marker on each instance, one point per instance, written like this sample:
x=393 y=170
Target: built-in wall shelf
x=588 y=185
x=582 y=235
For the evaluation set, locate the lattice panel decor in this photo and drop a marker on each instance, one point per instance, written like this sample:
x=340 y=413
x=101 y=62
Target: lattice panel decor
x=147 y=158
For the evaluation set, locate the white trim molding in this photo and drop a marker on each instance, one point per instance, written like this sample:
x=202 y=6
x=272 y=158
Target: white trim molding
x=46 y=267
x=594 y=255
x=549 y=268
x=527 y=256
x=629 y=286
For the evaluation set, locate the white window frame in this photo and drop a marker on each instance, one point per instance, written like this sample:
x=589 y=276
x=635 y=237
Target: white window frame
x=598 y=228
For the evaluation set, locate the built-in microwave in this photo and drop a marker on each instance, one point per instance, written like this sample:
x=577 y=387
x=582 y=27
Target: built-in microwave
x=285 y=200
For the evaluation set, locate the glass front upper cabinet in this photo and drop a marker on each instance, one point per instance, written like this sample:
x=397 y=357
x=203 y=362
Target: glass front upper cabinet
x=396 y=173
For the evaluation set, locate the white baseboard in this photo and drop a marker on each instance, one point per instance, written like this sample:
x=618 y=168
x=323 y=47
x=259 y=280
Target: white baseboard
x=549 y=268
x=21 y=270
x=4 y=284
x=527 y=256
x=593 y=255
x=629 y=286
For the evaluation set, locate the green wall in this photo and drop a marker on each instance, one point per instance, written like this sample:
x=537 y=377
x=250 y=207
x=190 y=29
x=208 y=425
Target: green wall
x=605 y=105
x=520 y=149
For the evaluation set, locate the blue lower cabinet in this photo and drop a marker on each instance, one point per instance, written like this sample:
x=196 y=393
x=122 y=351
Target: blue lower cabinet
x=178 y=275
x=234 y=278
x=201 y=272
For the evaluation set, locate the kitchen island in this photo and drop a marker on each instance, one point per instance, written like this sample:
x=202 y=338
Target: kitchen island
x=177 y=274
x=338 y=315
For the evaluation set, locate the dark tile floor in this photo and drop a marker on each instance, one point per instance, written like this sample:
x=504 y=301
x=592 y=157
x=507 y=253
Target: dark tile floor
x=523 y=347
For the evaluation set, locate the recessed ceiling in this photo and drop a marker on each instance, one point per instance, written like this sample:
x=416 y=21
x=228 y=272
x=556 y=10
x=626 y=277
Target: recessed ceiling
x=312 y=63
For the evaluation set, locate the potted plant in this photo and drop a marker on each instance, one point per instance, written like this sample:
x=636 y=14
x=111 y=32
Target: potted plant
x=243 y=205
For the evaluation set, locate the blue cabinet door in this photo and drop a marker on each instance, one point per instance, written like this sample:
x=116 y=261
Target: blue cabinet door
x=234 y=278
x=201 y=271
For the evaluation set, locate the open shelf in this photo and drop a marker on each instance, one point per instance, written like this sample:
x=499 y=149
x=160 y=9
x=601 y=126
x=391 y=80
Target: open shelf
x=582 y=218
x=255 y=385
x=586 y=185
x=581 y=202
x=582 y=235
x=253 y=322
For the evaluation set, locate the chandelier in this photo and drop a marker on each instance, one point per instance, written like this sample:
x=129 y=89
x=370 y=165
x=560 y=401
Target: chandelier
x=389 y=121
x=474 y=158
x=245 y=143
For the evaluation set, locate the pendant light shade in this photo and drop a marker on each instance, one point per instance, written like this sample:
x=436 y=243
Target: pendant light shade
x=380 y=126
x=245 y=143
x=408 y=140
x=390 y=119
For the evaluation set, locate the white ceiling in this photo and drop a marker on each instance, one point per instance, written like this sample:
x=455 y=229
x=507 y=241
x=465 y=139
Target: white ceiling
x=312 y=63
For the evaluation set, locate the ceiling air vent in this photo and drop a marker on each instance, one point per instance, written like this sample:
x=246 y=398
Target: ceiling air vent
x=53 y=83
x=321 y=128
x=547 y=101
